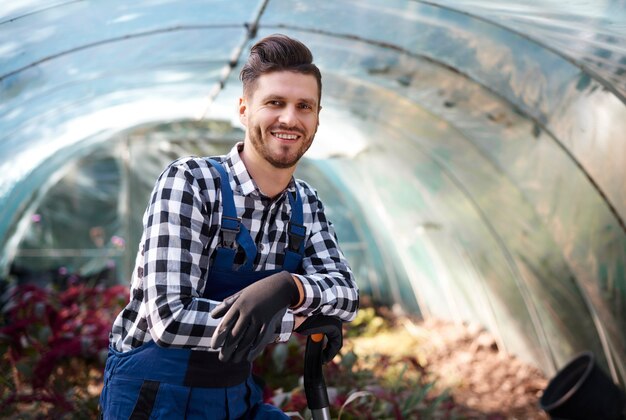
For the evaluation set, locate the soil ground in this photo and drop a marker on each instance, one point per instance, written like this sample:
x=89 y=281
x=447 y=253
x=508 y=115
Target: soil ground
x=484 y=382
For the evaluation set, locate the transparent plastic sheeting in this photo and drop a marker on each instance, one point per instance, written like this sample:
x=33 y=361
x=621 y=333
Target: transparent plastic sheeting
x=471 y=154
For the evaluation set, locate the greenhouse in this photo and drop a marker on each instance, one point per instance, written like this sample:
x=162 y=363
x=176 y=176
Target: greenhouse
x=471 y=154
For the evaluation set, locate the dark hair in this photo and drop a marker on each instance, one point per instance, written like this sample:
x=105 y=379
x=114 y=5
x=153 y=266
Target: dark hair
x=278 y=53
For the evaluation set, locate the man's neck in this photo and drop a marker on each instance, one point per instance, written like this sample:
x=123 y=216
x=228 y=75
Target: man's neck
x=270 y=180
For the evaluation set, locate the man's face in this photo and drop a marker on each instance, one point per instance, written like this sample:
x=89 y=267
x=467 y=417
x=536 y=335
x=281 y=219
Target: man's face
x=281 y=115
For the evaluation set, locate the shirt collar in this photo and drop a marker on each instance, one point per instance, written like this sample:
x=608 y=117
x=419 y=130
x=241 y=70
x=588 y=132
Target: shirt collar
x=244 y=182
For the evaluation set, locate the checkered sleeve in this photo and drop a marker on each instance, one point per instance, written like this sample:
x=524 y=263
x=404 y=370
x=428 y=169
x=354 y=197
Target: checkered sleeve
x=329 y=285
x=176 y=235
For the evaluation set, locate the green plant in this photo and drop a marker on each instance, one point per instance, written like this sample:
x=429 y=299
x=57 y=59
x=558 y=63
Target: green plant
x=373 y=386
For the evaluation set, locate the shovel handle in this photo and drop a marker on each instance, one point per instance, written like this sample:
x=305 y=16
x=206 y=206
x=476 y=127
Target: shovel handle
x=314 y=384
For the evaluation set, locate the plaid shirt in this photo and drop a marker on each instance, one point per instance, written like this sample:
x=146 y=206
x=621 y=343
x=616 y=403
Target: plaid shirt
x=180 y=236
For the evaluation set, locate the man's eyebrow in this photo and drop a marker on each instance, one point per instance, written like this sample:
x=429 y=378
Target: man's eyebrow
x=311 y=101
x=273 y=97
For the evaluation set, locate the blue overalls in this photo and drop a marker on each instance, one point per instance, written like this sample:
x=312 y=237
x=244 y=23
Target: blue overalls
x=174 y=383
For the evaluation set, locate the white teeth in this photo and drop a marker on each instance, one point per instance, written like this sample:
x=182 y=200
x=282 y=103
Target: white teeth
x=286 y=136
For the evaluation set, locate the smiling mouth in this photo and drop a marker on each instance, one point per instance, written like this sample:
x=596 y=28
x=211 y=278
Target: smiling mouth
x=285 y=136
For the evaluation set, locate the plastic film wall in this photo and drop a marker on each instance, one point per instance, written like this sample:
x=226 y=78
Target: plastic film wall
x=471 y=154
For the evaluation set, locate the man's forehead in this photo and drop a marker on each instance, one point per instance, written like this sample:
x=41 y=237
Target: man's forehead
x=287 y=85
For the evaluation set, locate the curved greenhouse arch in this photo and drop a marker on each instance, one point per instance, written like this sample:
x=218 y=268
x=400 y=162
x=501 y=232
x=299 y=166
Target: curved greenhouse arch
x=471 y=155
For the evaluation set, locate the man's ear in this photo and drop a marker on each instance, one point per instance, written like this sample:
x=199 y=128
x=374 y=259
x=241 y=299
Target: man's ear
x=243 y=111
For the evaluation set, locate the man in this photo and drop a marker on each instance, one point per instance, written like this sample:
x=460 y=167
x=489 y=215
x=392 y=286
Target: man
x=235 y=254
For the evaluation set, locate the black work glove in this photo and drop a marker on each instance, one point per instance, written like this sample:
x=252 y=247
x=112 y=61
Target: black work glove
x=330 y=327
x=252 y=315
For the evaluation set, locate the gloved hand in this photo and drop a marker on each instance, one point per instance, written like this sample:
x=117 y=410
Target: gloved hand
x=251 y=316
x=330 y=327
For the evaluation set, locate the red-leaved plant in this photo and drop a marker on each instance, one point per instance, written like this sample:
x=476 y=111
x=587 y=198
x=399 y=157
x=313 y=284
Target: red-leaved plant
x=53 y=347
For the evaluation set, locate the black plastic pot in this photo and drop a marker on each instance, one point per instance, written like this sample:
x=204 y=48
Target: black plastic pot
x=581 y=390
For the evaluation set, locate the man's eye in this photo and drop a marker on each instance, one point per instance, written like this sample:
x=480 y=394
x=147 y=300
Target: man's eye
x=275 y=103
x=305 y=106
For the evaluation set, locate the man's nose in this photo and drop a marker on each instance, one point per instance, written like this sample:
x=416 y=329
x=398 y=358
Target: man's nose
x=288 y=116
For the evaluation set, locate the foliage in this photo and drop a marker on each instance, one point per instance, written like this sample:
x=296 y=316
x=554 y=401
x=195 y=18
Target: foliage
x=367 y=323
x=374 y=386
x=53 y=346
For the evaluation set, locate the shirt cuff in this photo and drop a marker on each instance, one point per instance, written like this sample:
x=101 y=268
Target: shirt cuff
x=312 y=295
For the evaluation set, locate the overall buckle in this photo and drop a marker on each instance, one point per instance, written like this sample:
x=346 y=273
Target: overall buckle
x=296 y=233
x=230 y=229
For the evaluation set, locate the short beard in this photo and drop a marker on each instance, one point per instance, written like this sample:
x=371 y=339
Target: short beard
x=256 y=138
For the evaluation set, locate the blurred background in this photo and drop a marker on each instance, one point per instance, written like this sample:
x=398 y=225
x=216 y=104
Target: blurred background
x=471 y=154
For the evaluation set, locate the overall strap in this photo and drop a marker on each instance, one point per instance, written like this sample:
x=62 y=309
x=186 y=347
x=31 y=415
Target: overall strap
x=232 y=230
x=296 y=233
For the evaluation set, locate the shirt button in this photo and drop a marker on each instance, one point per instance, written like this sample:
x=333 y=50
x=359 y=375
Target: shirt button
x=261 y=247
